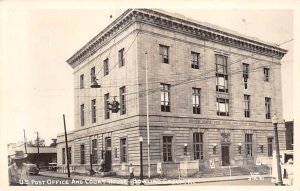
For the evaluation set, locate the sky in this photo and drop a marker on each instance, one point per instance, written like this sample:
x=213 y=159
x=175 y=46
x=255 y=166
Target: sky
x=37 y=83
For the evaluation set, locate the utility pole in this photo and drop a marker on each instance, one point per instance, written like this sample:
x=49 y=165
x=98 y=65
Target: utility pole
x=25 y=142
x=67 y=148
x=147 y=105
x=38 y=149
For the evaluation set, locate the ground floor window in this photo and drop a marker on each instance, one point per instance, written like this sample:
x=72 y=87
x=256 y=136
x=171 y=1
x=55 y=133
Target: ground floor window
x=63 y=156
x=248 y=144
x=270 y=146
x=94 y=151
x=167 y=148
x=82 y=158
x=198 y=145
x=123 y=149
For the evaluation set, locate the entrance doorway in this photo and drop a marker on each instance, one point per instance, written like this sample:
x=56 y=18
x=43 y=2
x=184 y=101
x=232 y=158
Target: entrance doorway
x=225 y=155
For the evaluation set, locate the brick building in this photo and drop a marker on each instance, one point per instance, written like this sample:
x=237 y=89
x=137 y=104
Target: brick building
x=212 y=93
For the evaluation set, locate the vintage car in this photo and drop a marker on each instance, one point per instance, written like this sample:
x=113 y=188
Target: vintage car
x=33 y=169
x=52 y=166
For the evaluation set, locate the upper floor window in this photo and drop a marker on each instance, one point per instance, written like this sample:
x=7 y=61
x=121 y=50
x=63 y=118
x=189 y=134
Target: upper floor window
x=164 y=53
x=93 y=74
x=165 y=97
x=222 y=107
x=245 y=74
x=82 y=114
x=266 y=74
x=196 y=100
x=268 y=107
x=195 y=60
x=121 y=58
x=221 y=64
x=105 y=67
x=93 y=107
x=221 y=83
x=81 y=81
x=106 y=106
x=122 y=100
x=247 y=105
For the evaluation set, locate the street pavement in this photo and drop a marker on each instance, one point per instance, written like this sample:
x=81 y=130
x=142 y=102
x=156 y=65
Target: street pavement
x=246 y=182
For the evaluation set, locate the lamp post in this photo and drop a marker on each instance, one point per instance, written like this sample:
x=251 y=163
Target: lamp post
x=275 y=122
x=141 y=159
x=38 y=149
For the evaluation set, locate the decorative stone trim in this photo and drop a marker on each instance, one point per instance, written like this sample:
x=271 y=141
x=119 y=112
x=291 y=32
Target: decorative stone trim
x=157 y=18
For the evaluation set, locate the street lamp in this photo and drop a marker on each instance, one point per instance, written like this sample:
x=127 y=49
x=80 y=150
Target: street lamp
x=38 y=149
x=275 y=122
x=141 y=159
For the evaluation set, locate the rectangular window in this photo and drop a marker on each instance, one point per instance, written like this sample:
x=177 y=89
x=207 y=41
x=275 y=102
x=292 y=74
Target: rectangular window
x=165 y=97
x=82 y=154
x=63 y=156
x=105 y=67
x=248 y=144
x=195 y=60
x=164 y=53
x=247 y=105
x=266 y=74
x=121 y=58
x=198 y=145
x=93 y=105
x=123 y=149
x=94 y=151
x=122 y=100
x=222 y=107
x=70 y=155
x=270 y=146
x=221 y=64
x=82 y=114
x=196 y=100
x=268 y=107
x=167 y=148
x=221 y=83
x=106 y=105
x=245 y=74
x=81 y=81
x=93 y=74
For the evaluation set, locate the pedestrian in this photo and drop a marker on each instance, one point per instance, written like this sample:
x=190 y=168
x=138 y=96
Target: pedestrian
x=131 y=174
x=18 y=172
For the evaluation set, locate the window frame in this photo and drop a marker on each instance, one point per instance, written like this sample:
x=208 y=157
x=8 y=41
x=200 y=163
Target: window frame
x=93 y=74
x=82 y=154
x=198 y=153
x=121 y=57
x=195 y=63
x=221 y=87
x=63 y=155
x=70 y=155
x=248 y=145
x=266 y=74
x=81 y=81
x=268 y=107
x=196 y=95
x=164 y=55
x=106 y=106
x=94 y=110
x=94 y=151
x=226 y=102
x=247 y=105
x=223 y=65
x=122 y=100
x=106 y=67
x=82 y=117
x=167 y=149
x=165 y=89
x=270 y=146
x=123 y=150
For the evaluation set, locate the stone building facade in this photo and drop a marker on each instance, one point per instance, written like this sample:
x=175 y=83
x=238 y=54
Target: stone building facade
x=212 y=94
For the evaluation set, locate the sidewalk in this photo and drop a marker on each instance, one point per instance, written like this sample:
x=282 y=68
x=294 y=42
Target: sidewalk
x=147 y=182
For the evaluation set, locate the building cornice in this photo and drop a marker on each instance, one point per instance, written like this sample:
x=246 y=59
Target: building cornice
x=181 y=25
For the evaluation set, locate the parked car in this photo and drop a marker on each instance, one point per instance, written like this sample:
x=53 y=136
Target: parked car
x=52 y=166
x=33 y=169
